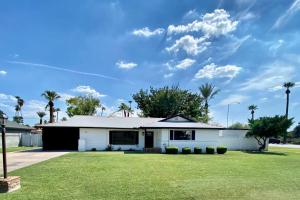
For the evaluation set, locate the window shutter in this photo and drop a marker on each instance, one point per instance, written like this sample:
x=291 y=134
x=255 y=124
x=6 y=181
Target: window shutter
x=193 y=134
x=137 y=138
x=171 y=134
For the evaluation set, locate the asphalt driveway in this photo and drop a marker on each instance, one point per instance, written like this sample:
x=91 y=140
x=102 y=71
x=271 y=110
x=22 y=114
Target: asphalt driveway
x=20 y=159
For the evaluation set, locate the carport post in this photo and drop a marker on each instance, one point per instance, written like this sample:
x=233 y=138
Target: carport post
x=4 y=151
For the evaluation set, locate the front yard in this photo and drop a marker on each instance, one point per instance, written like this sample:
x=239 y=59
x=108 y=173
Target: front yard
x=114 y=175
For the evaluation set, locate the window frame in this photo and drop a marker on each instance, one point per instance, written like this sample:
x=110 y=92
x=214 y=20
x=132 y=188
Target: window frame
x=135 y=139
x=173 y=131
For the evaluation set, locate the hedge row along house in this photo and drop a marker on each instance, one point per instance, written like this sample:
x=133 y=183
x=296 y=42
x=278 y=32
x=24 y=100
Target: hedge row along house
x=84 y=133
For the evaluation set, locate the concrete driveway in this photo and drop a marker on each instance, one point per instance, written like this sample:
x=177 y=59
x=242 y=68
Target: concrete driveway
x=20 y=159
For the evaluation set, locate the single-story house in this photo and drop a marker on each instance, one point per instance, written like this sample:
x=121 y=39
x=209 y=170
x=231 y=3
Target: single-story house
x=85 y=133
x=14 y=133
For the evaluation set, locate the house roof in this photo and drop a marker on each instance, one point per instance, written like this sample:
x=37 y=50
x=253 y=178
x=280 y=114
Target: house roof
x=82 y=121
x=15 y=125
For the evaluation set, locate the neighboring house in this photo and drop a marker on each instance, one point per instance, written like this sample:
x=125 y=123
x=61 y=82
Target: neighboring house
x=14 y=133
x=92 y=132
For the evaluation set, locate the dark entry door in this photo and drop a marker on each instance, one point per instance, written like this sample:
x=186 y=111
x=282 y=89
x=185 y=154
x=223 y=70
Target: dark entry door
x=149 y=140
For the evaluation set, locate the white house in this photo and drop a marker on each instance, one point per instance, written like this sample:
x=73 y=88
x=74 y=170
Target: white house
x=85 y=133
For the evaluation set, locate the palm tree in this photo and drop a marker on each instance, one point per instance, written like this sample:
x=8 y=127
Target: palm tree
x=287 y=85
x=57 y=110
x=124 y=108
x=102 y=109
x=207 y=92
x=51 y=96
x=18 y=108
x=252 y=108
x=41 y=115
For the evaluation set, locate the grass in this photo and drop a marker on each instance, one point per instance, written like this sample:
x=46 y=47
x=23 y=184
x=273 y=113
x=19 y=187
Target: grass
x=114 y=175
x=13 y=149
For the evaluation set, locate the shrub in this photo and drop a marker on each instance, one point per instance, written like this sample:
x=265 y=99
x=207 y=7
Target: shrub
x=210 y=150
x=171 y=150
x=109 y=147
x=221 y=150
x=197 y=150
x=94 y=149
x=186 y=150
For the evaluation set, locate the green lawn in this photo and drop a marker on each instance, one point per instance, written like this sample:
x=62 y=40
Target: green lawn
x=103 y=175
x=12 y=149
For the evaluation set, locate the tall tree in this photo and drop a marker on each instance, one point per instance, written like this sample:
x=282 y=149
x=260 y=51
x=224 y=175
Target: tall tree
x=168 y=101
x=124 y=109
x=82 y=105
x=252 y=108
x=102 y=110
x=50 y=96
x=207 y=92
x=265 y=127
x=41 y=115
x=287 y=85
x=57 y=110
x=18 y=108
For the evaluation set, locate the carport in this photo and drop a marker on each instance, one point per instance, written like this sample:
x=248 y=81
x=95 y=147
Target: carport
x=60 y=138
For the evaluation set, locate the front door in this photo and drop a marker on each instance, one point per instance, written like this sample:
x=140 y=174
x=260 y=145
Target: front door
x=149 y=140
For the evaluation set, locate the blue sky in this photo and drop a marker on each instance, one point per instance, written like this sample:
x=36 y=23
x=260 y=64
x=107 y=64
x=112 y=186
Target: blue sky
x=111 y=49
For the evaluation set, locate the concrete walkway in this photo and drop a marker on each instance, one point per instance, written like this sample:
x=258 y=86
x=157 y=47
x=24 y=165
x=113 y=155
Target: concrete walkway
x=20 y=159
x=295 y=146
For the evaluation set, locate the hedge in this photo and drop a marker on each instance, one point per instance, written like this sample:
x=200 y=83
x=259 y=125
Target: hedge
x=186 y=150
x=197 y=150
x=210 y=150
x=171 y=150
x=221 y=150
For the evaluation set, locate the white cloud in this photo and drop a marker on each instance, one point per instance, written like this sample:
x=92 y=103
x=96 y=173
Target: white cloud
x=280 y=87
x=275 y=46
x=87 y=90
x=7 y=98
x=33 y=106
x=65 y=96
x=191 y=14
x=185 y=63
x=190 y=45
x=269 y=77
x=126 y=65
x=169 y=75
x=294 y=8
x=146 y=32
x=213 y=71
x=233 y=99
x=211 y=24
x=2 y=72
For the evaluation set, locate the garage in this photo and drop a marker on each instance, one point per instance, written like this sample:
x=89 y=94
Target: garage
x=60 y=138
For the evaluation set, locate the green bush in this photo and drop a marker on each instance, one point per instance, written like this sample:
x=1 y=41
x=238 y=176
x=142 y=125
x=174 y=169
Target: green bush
x=171 y=150
x=186 y=150
x=221 y=150
x=197 y=150
x=210 y=150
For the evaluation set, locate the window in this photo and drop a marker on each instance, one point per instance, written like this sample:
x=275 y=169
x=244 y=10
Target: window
x=182 y=134
x=124 y=137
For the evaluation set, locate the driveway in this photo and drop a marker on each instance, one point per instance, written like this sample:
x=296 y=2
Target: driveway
x=20 y=159
x=285 y=145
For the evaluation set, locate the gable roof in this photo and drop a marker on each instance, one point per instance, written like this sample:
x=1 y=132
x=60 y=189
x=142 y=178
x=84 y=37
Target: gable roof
x=15 y=125
x=83 y=121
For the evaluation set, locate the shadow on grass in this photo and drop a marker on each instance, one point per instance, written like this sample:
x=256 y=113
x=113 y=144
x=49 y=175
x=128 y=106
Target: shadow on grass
x=273 y=153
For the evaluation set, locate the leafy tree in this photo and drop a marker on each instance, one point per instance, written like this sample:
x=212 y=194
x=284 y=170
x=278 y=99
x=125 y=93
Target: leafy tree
x=82 y=105
x=296 y=131
x=64 y=119
x=50 y=96
x=124 y=109
x=265 y=127
x=41 y=115
x=239 y=125
x=252 y=108
x=287 y=85
x=168 y=101
x=207 y=92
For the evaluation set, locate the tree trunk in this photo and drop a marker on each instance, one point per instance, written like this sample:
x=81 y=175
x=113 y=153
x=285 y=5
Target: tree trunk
x=51 y=105
x=286 y=112
x=41 y=120
x=252 y=113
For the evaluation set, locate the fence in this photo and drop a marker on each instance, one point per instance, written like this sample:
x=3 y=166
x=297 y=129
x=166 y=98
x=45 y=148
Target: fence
x=31 y=140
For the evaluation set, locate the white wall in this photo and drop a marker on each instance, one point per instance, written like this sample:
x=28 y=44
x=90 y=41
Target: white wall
x=12 y=139
x=99 y=138
x=232 y=139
